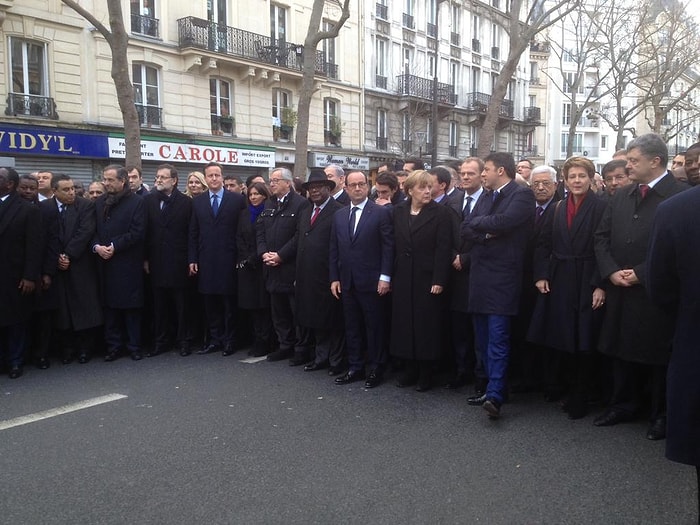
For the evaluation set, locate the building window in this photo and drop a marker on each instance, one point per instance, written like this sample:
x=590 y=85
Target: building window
x=143 y=18
x=29 y=91
x=332 y=128
x=381 y=130
x=566 y=114
x=380 y=68
x=604 y=142
x=284 y=118
x=147 y=95
x=406 y=143
x=578 y=143
x=329 y=63
x=569 y=86
x=278 y=23
x=454 y=138
x=221 y=107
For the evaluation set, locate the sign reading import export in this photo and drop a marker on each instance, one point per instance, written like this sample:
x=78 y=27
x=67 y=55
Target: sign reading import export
x=195 y=153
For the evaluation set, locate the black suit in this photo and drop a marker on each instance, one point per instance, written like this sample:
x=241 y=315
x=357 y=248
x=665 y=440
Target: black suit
x=168 y=220
x=212 y=246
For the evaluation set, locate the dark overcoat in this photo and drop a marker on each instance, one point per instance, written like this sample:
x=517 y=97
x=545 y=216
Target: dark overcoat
x=212 y=242
x=77 y=289
x=315 y=305
x=423 y=250
x=277 y=232
x=21 y=249
x=124 y=226
x=47 y=299
x=252 y=294
x=167 y=239
x=634 y=329
x=673 y=284
x=564 y=318
x=499 y=231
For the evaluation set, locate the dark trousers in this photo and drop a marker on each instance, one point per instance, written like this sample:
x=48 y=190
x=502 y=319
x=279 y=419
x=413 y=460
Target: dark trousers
x=330 y=346
x=262 y=329
x=123 y=328
x=282 y=309
x=221 y=319
x=365 y=328
x=42 y=333
x=629 y=382
x=170 y=310
x=13 y=343
x=467 y=361
x=80 y=341
x=493 y=338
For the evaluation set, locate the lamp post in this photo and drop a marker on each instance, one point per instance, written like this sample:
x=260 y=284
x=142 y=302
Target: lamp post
x=678 y=126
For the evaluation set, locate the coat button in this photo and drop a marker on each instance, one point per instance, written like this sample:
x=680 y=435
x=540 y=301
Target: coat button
x=635 y=216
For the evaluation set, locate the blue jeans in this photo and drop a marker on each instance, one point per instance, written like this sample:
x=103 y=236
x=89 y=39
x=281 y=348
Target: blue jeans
x=493 y=338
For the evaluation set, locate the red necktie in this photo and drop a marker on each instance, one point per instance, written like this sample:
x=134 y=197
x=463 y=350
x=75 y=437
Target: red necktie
x=643 y=189
x=317 y=210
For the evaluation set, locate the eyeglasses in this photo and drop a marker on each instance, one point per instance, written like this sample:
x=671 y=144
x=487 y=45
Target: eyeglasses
x=163 y=177
x=275 y=181
x=356 y=185
x=544 y=183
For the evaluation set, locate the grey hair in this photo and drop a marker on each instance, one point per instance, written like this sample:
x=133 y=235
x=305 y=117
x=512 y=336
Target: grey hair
x=284 y=173
x=651 y=145
x=339 y=172
x=545 y=169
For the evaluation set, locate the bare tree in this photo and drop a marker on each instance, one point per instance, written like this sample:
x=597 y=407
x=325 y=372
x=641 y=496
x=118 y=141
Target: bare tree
x=118 y=40
x=538 y=18
x=313 y=38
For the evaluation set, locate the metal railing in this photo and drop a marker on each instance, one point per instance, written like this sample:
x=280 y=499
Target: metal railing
x=408 y=21
x=19 y=104
x=476 y=45
x=382 y=12
x=455 y=38
x=532 y=114
x=150 y=116
x=432 y=30
x=423 y=88
x=479 y=102
x=144 y=25
x=407 y=146
x=202 y=34
x=380 y=81
x=382 y=143
x=453 y=151
x=222 y=125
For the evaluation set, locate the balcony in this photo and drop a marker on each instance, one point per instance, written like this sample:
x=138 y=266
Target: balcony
x=201 y=34
x=150 y=116
x=476 y=45
x=333 y=131
x=380 y=81
x=539 y=47
x=222 y=125
x=382 y=12
x=495 y=52
x=530 y=151
x=479 y=103
x=581 y=151
x=408 y=21
x=407 y=146
x=144 y=25
x=382 y=143
x=455 y=39
x=431 y=30
x=21 y=105
x=453 y=151
x=418 y=87
x=532 y=115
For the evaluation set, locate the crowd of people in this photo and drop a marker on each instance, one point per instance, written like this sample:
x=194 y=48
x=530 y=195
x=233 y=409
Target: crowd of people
x=507 y=276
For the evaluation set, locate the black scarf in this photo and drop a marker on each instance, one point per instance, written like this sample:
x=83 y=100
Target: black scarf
x=113 y=199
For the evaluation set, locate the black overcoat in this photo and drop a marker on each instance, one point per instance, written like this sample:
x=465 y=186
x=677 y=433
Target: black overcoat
x=423 y=250
x=315 y=305
x=252 y=294
x=21 y=257
x=124 y=226
x=77 y=289
x=167 y=239
x=212 y=242
x=564 y=318
x=634 y=329
x=277 y=232
x=673 y=283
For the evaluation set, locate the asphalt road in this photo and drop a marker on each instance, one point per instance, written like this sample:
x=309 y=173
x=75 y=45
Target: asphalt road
x=208 y=439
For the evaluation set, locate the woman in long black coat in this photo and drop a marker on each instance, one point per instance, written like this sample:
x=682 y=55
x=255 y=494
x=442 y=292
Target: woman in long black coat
x=251 y=286
x=568 y=313
x=423 y=235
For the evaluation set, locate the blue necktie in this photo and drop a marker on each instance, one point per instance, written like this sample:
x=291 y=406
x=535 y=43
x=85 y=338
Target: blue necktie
x=495 y=195
x=215 y=204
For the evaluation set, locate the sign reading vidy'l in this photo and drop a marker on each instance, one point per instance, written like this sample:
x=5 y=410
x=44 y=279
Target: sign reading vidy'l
x=46 y=141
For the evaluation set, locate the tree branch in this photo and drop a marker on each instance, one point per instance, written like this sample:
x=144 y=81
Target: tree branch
x=87 y=15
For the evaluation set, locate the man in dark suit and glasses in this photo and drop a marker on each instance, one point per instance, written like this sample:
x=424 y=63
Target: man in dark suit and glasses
x=499 y=231
x=212 y=256
x=361 y=260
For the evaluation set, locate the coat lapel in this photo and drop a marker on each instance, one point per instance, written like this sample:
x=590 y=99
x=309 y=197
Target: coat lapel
x=9 y=209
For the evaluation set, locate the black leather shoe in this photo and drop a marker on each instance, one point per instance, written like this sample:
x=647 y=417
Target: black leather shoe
x=136 y=356
x=209 y=349
x=408 y=378
x=111 y=356
x=611 y=417
x=15 y=372
x=336 y=370
x=185 y=350
x=351 y=377
x=299 y=359
x=457 y=381
x=83 y=358
x=373 y=380
x=657 y=429
x=66 y=360
x=229 y=350
x=312 y=367
x=476 y=401
x=492 y=407
x=155 y=351
x=280 y=355
x=43 y=363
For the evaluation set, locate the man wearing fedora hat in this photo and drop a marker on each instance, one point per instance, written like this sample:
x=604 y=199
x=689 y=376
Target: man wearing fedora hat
x=319 y=314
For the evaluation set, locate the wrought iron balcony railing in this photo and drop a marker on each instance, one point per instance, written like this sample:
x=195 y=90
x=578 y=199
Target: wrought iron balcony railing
x=414 y=86
x=144 y=25
x=202 y=34
x=150 y=116
x=431 y=30
x=407 y=146
x=455 y=38
x=408 y=21
x=382 y=12
x=532 y=114
x=453 y=151
x=380 y=81
x=382 y=143
x=222 y=125
x=19 y=104
x=479 y=102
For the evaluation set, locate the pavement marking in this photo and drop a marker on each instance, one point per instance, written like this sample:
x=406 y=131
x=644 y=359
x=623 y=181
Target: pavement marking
x=65 y=409
x=252 y=360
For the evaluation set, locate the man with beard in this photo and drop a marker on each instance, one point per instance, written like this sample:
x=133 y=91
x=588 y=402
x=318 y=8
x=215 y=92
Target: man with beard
x=168 y=213
x=118 y=244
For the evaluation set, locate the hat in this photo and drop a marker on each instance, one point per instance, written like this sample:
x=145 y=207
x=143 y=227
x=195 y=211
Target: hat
x=318 y=175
